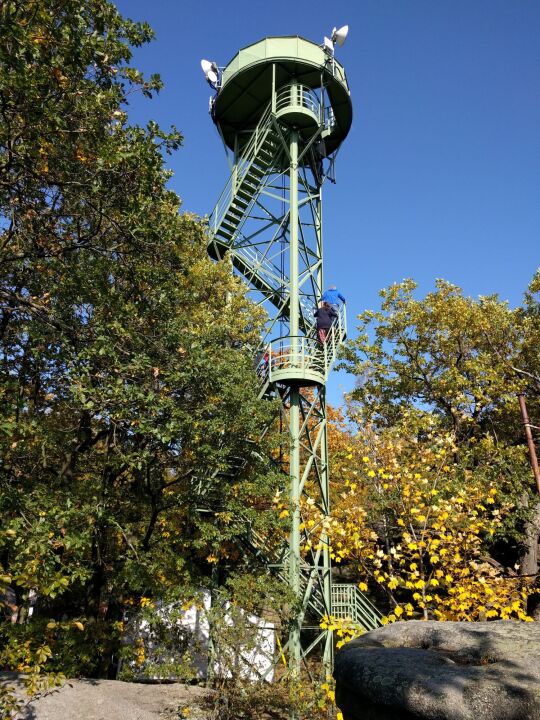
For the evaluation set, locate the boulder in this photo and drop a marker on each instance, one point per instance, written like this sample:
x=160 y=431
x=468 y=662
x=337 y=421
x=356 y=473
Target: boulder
x=441 y=671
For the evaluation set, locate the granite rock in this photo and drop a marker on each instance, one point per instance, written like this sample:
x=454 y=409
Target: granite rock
x=441 y=671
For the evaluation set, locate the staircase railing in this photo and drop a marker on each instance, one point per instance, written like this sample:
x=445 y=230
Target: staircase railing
x=350 y=603
x=270 y=273
x=296 y=95
x=302 y=354
x=249 y=153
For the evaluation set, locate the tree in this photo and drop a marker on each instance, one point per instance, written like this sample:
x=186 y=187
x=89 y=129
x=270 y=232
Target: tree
x=444 y=369
x=416 y=525
x=125 y=369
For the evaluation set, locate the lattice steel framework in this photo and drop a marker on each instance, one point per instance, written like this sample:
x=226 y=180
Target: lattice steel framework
x=282 y=110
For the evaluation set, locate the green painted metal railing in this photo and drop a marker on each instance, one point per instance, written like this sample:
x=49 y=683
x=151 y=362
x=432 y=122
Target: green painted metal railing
x=302 y=96
x=244 y=163
x=350 y=603
x=302 y=357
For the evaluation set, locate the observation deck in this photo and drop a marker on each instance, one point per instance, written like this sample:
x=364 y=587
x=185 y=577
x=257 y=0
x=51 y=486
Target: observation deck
x=256 y=74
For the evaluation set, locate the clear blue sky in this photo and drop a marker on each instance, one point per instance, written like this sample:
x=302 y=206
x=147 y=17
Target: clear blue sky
x=440 y=175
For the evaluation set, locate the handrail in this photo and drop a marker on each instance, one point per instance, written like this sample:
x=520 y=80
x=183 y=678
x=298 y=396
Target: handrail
x=295 y=95
x=265 y=268
x=349 y=602
x=302 y=353
x=329 y=117
x=249 y=153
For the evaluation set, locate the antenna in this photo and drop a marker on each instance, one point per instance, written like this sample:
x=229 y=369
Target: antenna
x=211 y=73
x=339 y=36
x=328 y=46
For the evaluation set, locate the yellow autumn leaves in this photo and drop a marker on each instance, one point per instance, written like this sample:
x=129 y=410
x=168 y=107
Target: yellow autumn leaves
x=411 y=521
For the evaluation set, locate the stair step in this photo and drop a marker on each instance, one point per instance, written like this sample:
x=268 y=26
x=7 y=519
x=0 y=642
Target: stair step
x=228 y=224
x=233 y=215
x=265 y=155
x=254 y=179
x=231 y=219
x=241 y=203
x=246 y=192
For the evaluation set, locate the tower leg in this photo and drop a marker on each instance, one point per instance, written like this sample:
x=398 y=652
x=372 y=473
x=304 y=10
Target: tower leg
x=327 y=560
x=294 y=413
x=295 y=648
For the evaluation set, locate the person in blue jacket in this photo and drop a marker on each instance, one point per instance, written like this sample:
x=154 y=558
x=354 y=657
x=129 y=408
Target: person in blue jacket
x=333 y=297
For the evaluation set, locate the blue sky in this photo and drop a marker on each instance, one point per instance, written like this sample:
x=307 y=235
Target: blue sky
x=440 y=174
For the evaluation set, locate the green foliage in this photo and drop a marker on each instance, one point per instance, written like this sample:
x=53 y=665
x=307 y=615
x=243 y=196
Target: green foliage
x=126 y=377
x=446 y=352
x=459 y=363
x=9 y=703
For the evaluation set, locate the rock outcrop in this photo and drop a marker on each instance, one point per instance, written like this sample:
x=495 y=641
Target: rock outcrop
x=441 y=671
x=112 y=700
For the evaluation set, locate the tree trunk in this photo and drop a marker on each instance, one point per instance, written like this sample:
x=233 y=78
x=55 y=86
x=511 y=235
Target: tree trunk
x=529 y=560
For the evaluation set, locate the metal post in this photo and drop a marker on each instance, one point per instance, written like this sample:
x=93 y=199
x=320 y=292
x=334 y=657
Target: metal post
x=295 y=647
x=293 y=236
x=318 y=232
x=530 y=440
x=327 y=561
x=273 y=88
x=294 y=413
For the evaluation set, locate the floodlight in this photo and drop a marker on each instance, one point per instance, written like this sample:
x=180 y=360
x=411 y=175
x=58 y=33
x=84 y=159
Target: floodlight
x=328 y=46
x=339 y=36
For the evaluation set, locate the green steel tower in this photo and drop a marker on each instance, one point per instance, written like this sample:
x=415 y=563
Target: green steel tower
x=282 y=109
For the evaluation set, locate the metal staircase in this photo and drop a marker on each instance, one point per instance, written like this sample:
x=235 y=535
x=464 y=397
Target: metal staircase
x=348 y=601
x=262 y=156
x=247 y=180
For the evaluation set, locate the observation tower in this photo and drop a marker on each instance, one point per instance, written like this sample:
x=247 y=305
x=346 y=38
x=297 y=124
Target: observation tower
x=282 y=108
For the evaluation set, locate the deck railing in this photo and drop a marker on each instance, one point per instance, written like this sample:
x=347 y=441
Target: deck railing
x=302 y=356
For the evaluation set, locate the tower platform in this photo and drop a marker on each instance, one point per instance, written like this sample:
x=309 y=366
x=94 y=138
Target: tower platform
x=257 y=72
